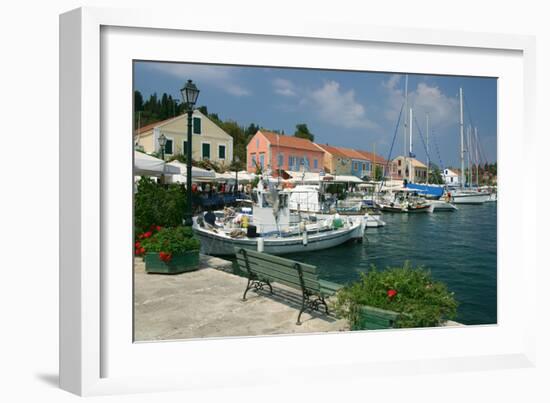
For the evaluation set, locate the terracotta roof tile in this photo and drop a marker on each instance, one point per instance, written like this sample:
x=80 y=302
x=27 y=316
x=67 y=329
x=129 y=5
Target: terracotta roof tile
x=373 y=157
x=351 y=153
x=289 y=141
x=151 y=126
x=332 y=150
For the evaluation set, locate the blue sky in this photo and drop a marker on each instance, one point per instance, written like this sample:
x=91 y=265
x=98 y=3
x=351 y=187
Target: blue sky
x=349 y=109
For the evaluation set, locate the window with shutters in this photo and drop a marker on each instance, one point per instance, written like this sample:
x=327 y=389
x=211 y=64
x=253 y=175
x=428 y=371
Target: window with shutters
x=169 y=147
x=221 y=151
x=197 y=125
x=205 y=151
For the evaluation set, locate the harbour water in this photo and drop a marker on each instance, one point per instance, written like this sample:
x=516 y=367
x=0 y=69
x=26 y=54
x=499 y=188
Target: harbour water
x=459 y=248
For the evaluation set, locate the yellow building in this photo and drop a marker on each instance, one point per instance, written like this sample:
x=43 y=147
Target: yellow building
x=209 y=140
x=401 y=166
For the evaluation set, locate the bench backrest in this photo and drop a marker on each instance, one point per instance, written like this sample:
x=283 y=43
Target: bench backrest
x=278 y=269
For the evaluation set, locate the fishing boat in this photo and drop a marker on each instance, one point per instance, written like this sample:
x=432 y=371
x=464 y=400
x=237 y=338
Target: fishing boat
x=309 y=199
x=272 y=231
x=405 y=200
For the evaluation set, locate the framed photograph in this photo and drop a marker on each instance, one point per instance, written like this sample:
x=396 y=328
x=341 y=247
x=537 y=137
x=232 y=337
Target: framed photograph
x=325 y=197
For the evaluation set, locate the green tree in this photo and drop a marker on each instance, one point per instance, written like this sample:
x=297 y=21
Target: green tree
x=138 y=101
x=435 y=175
x=251 y=130
x=303 y=132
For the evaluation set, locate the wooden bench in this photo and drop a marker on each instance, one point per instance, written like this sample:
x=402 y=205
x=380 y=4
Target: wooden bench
x=372 y=318
x=263 y=269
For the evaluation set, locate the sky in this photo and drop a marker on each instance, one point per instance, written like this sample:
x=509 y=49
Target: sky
x=342 y=108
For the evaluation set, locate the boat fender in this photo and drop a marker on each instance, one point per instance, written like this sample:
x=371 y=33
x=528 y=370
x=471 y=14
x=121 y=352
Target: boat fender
x=260 y=244
x=305 y=238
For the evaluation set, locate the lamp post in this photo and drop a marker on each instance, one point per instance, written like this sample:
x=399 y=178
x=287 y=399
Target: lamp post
x=162 y=144
x=236 y=160
x=189 y=93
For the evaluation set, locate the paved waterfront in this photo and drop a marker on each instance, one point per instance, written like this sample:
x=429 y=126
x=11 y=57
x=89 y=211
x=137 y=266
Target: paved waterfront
x=207 y=303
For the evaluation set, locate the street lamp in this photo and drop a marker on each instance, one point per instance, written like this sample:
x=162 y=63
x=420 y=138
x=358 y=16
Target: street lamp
x=162 y=144
x=189 y=93
x=236 y=160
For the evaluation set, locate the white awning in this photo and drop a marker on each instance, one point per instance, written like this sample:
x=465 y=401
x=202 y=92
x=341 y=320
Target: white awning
x=197 y=174
x=147 y=165
x=346 y=179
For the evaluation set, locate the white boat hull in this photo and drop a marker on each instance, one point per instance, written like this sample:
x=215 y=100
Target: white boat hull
x=470 y=198
x=441 y=205
x=369 y=220
x=222 y=245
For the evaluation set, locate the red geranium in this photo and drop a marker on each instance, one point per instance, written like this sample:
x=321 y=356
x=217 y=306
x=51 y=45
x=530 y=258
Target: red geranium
x=138 y=245
x=148 y=234
x=158 y=227
x=391 y=293
x=165 y=257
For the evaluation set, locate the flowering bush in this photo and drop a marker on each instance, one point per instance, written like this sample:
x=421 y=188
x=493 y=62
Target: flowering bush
x=421 y=301
x=158 y=204
x=167 y=241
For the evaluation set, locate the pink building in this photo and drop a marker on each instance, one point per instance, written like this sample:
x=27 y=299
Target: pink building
x=277 y=151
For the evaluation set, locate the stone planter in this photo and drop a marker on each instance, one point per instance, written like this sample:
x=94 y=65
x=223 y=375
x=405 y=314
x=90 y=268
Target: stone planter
x=180 y=263
x=371 y=318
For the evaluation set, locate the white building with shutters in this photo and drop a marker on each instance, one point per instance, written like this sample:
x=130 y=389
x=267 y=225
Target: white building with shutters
x=450 y=177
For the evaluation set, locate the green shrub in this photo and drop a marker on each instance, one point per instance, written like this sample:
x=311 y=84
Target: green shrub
x=421 y=301
x=156 y=204
x=170 y=240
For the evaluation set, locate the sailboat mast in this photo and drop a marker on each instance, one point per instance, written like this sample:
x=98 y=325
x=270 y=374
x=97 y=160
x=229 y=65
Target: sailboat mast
x=477 y=156
x=428 y=147
x=461 y=140
x=405 y=123
x=468 y=161
x=411 y=176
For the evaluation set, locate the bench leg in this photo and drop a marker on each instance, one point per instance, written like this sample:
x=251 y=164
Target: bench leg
x=306 y=303
x=256 y=284
x=247 y=288
x=325 y=304
x=301 y=310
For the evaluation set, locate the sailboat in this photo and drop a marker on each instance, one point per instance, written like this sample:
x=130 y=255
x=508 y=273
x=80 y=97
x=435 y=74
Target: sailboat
x=462 y=195
x=425 y=189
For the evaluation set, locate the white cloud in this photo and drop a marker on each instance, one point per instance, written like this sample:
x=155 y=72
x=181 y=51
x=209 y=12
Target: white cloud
x=218 y=76
x=443 y=109
x=338 y=107
x=284 y=87
x=392 y=81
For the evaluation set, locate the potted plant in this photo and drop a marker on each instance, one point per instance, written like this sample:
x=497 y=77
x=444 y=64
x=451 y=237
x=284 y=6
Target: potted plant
x=401 y=297
x=169 y=250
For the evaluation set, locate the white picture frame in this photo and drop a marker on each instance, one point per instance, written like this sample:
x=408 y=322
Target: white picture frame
x=96 y=355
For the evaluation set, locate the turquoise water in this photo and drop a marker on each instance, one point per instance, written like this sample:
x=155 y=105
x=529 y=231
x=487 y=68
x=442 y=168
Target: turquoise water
x=459 y=248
